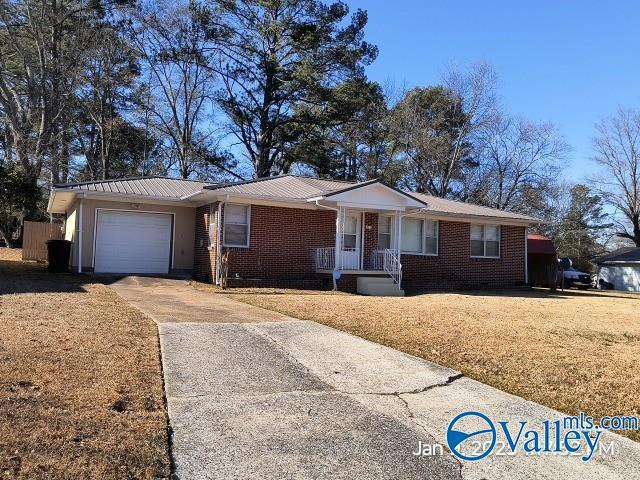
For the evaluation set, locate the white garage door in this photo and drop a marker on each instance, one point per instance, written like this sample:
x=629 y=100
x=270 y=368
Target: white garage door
x=132 y=242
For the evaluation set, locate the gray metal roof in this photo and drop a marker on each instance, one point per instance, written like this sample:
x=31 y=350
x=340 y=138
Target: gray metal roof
x=289 y=187
x=151 y=186
x=452 y=207
x=285 y=187
x=626 y=254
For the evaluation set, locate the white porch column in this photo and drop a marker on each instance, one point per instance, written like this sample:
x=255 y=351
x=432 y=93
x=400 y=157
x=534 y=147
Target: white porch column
x=339 y=233
x=80 y=239
x=399 y=233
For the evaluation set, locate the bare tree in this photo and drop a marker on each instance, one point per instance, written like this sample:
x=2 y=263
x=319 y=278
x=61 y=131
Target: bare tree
x=41 y=42
x=520 y=161
x=181 y=86
x=435 y=129
x=617 y=151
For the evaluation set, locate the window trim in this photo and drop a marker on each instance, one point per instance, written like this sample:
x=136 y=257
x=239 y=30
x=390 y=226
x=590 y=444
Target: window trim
x=391 y=229
x=423 y=253
x=484 y=240
x=248 y=225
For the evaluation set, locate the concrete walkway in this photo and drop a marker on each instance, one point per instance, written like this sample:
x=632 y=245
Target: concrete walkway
x=253 y=396
x=173 y=300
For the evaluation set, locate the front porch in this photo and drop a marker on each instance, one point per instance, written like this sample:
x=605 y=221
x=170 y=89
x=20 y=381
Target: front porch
x=367 y=246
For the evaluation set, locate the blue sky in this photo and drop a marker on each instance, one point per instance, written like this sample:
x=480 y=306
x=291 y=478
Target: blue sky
x=569 y=62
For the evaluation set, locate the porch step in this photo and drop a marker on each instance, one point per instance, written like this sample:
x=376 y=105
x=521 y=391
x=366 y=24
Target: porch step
x=378 y=286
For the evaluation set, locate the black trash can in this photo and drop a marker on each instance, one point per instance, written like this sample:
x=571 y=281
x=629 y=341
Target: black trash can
x=58 y=252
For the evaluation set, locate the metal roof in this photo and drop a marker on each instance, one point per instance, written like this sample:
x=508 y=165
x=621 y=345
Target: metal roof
x=278 y=188
x=540 y=245
x=285 y=187
x=626 y=254
x=453 y=207
x=150 y=186
x=290 y=187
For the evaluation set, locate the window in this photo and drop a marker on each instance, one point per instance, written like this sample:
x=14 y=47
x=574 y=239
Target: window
x=431 y=237
x=350 y=237
x=236 y=225
x=419 y=236
x=485 y=241
x=385 y=224
x=412 y=235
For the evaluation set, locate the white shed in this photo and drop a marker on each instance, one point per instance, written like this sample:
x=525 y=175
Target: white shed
x=620 y=268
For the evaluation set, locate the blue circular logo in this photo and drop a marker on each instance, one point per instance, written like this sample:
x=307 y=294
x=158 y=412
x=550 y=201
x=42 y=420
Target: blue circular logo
x=469 y=427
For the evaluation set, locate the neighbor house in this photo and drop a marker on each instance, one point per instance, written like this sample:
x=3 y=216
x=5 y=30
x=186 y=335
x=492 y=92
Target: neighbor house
x=620 y=269
x=291 y=231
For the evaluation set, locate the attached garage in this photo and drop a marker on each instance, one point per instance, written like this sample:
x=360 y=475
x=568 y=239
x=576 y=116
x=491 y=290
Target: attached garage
x=620 y=270
x=132 y=242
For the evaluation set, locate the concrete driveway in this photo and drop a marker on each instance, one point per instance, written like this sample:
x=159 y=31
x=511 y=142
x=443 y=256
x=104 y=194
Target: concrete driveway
x=254 y=394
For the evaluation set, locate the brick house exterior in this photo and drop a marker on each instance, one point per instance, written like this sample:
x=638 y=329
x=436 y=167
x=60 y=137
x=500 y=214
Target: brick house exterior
x=290 y=231
x=282 y=241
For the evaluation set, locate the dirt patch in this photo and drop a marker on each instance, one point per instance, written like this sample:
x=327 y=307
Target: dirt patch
x=80 y=380
x=572 y=351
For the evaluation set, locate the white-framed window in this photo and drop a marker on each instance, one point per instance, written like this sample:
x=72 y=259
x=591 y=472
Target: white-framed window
x=385 y=227
x=419 y=236
x=485 y=241
x=210 y=224
x=350 y=233
x=236 y=225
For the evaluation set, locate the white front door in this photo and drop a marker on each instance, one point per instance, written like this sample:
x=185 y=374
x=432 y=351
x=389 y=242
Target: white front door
x=351 y=242
x=132 y=242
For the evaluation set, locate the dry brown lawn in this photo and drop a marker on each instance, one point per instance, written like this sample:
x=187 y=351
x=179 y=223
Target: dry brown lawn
x=572 y=351
x=80 y=380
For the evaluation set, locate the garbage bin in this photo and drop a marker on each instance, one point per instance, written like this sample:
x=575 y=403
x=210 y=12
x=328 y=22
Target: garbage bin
x=58 y=252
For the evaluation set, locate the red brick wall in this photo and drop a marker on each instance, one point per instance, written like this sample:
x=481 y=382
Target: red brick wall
x=454 y=268
x=204 y=257
x=282 y=243
x=283 y=240
x=370 y=238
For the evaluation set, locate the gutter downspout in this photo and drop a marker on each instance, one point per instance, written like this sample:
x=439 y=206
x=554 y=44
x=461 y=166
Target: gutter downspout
x=218 y=239
x=80 y=235
x=337 y=247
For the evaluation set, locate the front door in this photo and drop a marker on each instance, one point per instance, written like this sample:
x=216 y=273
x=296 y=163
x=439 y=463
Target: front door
x=351 y=242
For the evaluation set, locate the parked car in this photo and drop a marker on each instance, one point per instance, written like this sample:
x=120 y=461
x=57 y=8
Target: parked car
x=575 y=278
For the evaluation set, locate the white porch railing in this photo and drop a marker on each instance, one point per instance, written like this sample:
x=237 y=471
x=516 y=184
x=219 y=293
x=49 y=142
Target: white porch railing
x=349 y=259
x=386 y=260
x=377 y=260
x=392 y=265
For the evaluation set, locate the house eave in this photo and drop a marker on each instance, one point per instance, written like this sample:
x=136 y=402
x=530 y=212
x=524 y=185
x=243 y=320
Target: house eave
x=116 y=197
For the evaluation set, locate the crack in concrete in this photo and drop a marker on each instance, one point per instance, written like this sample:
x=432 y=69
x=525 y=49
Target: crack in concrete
x=447 y=382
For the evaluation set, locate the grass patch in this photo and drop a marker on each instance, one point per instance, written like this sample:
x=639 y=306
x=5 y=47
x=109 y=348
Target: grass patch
x=572 y=351
x=80 y=380
x=208 y=287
